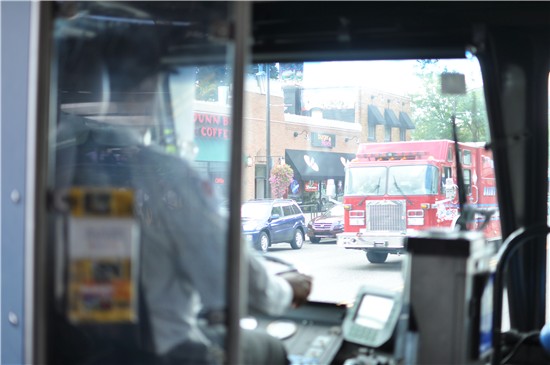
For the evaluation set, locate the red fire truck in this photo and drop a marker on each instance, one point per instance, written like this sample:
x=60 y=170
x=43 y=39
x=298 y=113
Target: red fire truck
x=394 y=188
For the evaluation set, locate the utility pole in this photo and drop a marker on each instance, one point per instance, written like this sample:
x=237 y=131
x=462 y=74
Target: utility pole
x=267 y=133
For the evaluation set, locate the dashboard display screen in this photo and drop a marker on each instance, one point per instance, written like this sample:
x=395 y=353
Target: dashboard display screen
x=374 y=311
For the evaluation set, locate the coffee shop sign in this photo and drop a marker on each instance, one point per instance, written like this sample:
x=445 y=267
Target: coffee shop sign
x=212 y=126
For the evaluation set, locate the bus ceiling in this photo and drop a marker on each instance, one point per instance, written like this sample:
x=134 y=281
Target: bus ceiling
x=297 y=31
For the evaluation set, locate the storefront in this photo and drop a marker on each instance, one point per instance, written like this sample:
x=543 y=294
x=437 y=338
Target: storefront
x=212 y=143
x=318 y=177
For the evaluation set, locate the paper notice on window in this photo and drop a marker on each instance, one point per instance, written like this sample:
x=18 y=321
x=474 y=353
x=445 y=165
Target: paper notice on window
x=103 y=269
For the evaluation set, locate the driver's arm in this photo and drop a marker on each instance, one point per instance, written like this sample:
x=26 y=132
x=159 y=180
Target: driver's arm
x=274 y=294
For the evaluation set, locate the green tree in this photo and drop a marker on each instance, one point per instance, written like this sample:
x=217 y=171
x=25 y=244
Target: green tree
x=432 y=110
x=209 y=77
x=474 y=116
x=257 y=67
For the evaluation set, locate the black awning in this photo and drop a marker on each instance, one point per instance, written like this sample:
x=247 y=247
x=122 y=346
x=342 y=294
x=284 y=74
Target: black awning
x=406 y=122
x=391 y=118
x=316 y=165
x=374 y=115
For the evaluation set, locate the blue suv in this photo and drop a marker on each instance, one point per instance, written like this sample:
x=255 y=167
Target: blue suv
x=269 y=221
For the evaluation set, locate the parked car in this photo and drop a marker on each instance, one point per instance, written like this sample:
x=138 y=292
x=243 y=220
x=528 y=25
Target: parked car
x=269 y=221
x=326 y=225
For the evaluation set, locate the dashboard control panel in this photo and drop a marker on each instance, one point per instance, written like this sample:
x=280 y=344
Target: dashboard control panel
x=312 y=334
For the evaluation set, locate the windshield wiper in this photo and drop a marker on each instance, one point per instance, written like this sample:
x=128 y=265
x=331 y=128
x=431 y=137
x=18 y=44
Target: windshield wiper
x=401 y=191
x=376 y=187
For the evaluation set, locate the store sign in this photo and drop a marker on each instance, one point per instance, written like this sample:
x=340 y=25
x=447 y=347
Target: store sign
x=295 y=187
x=322 y=140
x=311 y=185
x=213 y=126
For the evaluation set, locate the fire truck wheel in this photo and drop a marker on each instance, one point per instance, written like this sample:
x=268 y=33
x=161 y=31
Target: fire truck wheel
x=298 y=240
x=263 y=242
x=376 y=257
x=314 y=239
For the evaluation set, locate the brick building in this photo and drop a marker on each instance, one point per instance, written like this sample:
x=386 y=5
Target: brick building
x=316 y=145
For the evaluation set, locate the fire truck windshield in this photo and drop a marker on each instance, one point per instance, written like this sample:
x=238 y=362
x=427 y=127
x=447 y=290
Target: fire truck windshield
x=366 y=181
x=413 y=180
x=404 y=180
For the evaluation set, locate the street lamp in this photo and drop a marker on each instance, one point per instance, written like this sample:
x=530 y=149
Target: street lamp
x=263 y=82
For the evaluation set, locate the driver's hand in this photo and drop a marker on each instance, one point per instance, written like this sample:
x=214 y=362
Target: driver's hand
x=301 y=286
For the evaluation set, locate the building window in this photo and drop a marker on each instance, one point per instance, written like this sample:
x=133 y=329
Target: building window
x=387 y=135
x=372 y=132
x=260 y=191
x=402 y=134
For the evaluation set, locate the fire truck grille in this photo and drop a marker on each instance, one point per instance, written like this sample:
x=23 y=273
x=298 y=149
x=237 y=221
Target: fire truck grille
x=386 y=216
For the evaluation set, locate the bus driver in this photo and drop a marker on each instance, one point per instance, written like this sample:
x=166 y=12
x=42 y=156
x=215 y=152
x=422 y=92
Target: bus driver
x=183 y=246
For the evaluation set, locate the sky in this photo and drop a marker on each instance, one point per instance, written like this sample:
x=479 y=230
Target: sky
x=397 y=77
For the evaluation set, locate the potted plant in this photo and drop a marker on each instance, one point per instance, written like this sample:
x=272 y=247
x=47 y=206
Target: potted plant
x=281 y=177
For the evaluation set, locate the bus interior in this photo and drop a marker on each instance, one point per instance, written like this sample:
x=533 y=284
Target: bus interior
x=128 y=126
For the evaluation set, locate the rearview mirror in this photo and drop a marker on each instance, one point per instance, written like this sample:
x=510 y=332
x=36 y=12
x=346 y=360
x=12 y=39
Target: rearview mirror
x=453 y=83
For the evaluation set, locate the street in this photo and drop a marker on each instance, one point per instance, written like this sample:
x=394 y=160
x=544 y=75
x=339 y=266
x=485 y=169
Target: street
x=338 y=272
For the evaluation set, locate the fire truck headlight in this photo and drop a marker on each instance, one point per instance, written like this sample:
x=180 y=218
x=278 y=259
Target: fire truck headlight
x=415 y=221
x=415 y=217
x=357 y=218
x=357 y=221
